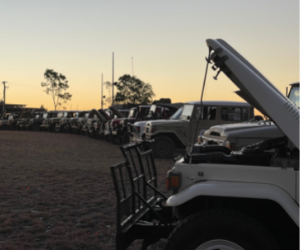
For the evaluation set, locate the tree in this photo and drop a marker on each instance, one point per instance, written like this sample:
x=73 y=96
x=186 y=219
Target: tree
x=56 y=85
x=133 y=90
x=108 y=98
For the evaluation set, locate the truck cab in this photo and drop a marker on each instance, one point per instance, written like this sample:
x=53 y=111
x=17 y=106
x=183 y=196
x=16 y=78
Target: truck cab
x=159 y=111
x=171 y=135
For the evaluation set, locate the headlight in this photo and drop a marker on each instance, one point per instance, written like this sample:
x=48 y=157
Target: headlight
x=151 y=129
x=200 y=139
x=174 y=180
x=230 y=145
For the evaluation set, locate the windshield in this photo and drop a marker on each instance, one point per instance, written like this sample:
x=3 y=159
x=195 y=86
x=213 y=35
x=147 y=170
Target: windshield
x=187 y=112
x=45 y=115
x=176 y=115
x=86 y=115
x=124 y=112
x=152 y=111
x=294 y=96
x=59 y=115
x=132 y=113
x=143 y=111
x=153 y=108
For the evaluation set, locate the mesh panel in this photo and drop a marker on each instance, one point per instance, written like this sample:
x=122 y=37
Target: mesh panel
x=135 y=184
x=149 y=174
x=123 y=187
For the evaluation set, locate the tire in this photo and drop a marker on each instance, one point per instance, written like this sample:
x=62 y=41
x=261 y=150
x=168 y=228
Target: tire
x=220 y=229
x=52 y=128
x=89 y=134
x=36 y=127
x=64 y=129
x=163 y=147
x=108 y=138
x=97 y=135
x=125 y=139
x=116 y=140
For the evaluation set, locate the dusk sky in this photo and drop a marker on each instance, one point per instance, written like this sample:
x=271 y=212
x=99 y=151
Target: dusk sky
x=165 y=38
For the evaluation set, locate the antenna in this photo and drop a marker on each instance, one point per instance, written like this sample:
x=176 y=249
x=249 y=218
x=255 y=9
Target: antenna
x=4 y=88
x=101 y=91
x=112 y=82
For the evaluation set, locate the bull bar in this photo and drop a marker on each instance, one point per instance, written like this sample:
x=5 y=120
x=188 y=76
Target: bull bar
x=140 y=210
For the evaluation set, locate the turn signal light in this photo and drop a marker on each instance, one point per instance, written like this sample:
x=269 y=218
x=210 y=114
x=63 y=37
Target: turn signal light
x=230 y=145
x=173 y=181
x=199 y=139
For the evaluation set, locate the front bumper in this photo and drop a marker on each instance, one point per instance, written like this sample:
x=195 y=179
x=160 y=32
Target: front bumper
x=135 y=138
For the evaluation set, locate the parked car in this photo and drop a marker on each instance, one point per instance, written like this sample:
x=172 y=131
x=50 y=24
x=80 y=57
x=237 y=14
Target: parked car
x=50 y=121
x=4 y=119
x=35 y=122
x=78 y=122
x=64 y=123
x=14 y=118
x=120 y=130
x=169 y=111
x=112 y=128
x=94 y=117
x=99 y=126
x=171 y=135
x=27 y=115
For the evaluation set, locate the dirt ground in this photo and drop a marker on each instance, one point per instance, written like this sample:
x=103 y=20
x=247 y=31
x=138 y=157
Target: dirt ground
x=56 y=191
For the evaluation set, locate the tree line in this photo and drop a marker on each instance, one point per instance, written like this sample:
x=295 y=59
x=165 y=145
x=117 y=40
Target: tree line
x=130 y=89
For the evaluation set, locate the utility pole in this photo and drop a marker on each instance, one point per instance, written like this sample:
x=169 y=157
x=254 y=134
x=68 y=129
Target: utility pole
x=4 y=82
x=101 y=91
x=112 y=82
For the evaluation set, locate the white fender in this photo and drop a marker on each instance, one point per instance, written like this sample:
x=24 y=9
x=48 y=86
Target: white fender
x=238 y=189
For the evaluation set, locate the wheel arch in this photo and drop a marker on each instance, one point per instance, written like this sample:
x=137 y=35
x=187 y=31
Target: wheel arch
x=173 y=136
x=238 y=190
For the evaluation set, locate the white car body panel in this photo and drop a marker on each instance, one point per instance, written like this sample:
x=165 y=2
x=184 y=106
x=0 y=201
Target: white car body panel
x=284 y=178
x=238 y=189
x=140 y=124
x=242 y=134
